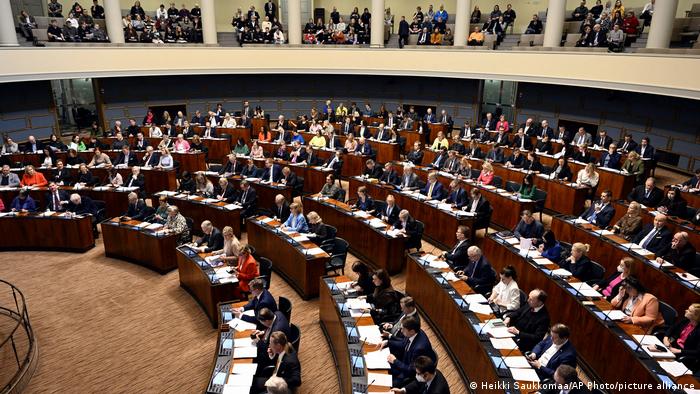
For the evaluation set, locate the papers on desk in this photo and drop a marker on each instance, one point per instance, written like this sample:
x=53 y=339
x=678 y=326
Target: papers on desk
x=300 y=238
x=232 y=207
x=361 y=214
x=503 y=343
x=427 y=258
x=245 y=352
x=651 y=341
x=101 y=188
x=542 y=261
x=371 y=333
x=579 y=221
x=127 y=189
x=688 y=277
x=212 y=173
x=377 y=360
x=499 y=332
x=243 y=342
x=210 y=200
x=244 y=369
x=377 y=223
x=420 y=196
x=561 y=272
x=249 y=312
x=585 y=289
x=475 y=298
x=516 y=362
x=603 y=232
x=664 y=263
x=393 y=233
x=465 y=213
x=445 y=206
x=358 y=303
x=439 y=264
x=267 y=220
x=252 y=179
x=450 y=276
x=143 y=224
x=240 y=325
x=675 y=369
x=380 y=379
x=615 y=314
x=525 y=200
x=525 y=374
x=483 y=309
x=225 y=277
x=315 y=251
x=238 y=384
x=641 y=251
x=512 y=240
x=166 y=193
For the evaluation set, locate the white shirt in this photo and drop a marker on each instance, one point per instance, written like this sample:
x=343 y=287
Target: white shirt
x=507 y=295
x=549 y=353
x=474 y=204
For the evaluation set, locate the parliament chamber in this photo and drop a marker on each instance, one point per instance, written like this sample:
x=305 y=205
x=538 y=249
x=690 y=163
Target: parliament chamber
x=189 y=204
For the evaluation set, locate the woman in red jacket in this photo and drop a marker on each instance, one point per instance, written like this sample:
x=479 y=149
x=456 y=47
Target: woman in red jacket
x=247 y=268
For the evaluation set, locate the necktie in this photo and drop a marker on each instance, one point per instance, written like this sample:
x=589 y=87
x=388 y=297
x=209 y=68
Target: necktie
x=408 y=346
x=56 y=201
x=245 y=193
x=624 y=147
x=271 y=173
x=430 y=190
x=5 y=180
x=648 y=238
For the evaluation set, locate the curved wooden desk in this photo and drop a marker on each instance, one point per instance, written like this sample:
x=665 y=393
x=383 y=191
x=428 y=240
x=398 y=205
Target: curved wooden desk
x=606 y=346
x=116 y=199
x=127 y=241
x=675 y=224
x=200 y=209
x=42 y=231
x=371 y=244
x=265 y=191
x=290 y=259
x=200 y=279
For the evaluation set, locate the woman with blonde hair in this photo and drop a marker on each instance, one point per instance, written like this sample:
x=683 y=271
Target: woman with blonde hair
x=683 y=337
x=204 y=185
x=634 y=165
x=588 y=176
x=629 y=225
x=578 y=263
x=166 y=159
x=486 y=176
x=232 y=247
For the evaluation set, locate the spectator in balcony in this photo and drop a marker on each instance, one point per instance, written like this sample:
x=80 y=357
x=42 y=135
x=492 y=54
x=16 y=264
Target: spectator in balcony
x=77 y=10
x=616 y=40
x=618 y=7
x=496 y=13
x=580 y=12
x=535 y=26
x=647 y=13
x=366 y=17
x=97 y=11
x=617 y=19
x=448 y=38
x=597 y=38
x=475 y=16
x=438 y=31
x=509 y=15
x=85 y=32
x=404 y=31
x=605 y=22
x=73 y=20
x=585 y=37
x=424 y=37
x=55 y=9
x=130 y=35
x=630 y=24
x=597 y=9
x=137 y=23
x=196 y=11
x=173 y=12
x=587 y=21
x=415 y=27
x=136 y=9
x=441 y=14
x=161 y=12
x=26 y=24
x=476 y=38
x=54 y=32
x=183 y=13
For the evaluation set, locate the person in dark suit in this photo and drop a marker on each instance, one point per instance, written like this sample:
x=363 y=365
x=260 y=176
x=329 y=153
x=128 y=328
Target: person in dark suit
x=529 y=128
x=478 y=205
x=393 y=330
x=600 y=212
x=364 y=148
x=627 y=144
x=82 y=205
x=683 y=337
x=151 y=158
x=681 y=254
x=415 y=156
x=611 y=158
x=250 y=170
x=428 y=379
x=56 y=199
x=528 y=227
x=409 y=180
x=141 y=142
x=457 y=256
x=390 y=213
x=269 y=322
x=382 y=134
x=655 y=237
x=197 y=118
x=489 y=123
x=564 y=352
x=209 y=131
x=389 y=176
x=530 y=322
x=280 y=209
x=225 y=191
x=281 y=153
x=248 y=198
x=232 y=167
x=136 y=179
x=283 y=357
x=433 y=188
x=457 y=196
x=33 y=146
x=408 y=227
x=440 y=159
x=645 y=150
x=403 y=32
x=495 y=155
x=583 y=154
x=673 y=204
x=372 y=170
x=647 y=194
x=566 y=381
x=521 y=141
x=561 y=171
x=578 y=263
x=452 y=163
x=603 y=140
x=563 y=135
x=289 y=178
x=473 y=151
x=126 y=158
x=213 y=238
x=500 y=138
x=61 y=175
x=545 y=130
x=405 y=351
x=260 y=298
x=544 y=145
x=532 y=163
x=692 y=184
x=515 y=160
x=273 y=172
x=364 y=201
x=479 y=274
x=136 y=209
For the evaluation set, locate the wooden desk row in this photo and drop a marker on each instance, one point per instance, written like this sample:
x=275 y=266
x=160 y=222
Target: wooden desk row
x=200 y=279
x=116 y=199
x=606 y=346
x=300 y=263
x=372 y=244
x=155 y=179
x=608 y=250
x=352 y=164
x=383 y=151
x=348 y=351
x=200 y=209
x=673 y=223
x=440 y=225
x=216 y=147
x=265 y=191
x=314 y=176
x=41 y=231
x=127 y=241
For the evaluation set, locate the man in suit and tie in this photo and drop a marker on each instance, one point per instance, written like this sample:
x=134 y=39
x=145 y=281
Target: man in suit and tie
x=415 y=156
x=391 y=121
x=289 y=178
x=429 y=116
x=655 y=237
x=32 y=145
x=390 y=213
x=457 y=257
x=126 y=158
x=8 y=178
x=282 y=356
x=209 y=131
x=530 y=322
x=647 y=194
x=500 y=138
x=248 y=199
x=197 y=118
x=61 y=175
x=479 y=206
x=545 y=130
x=141 y=142
x=600 y=212
x=521 y=141
x=408 y=309
x=627 y=144
x=281 y=208
x=445 y=119
x=347 y=126
x=552 y=352
x=363 y=147
x=429 y=380
x=409 y=180
x=479 y=274
x=489 y=122
x=440 y=159
x=582 y=138
x=260 y=298
x=151 y=158
x=269 y=322
x=603 y=141
x=56 y=199
x=225 y=191
x=566 y=381
x=212 y=240
x=273 y=172
x=563 y=136
x=529 y=128
x=404 y=351
x=389 y=176
x=610 y=158
x=452 y=162
x=232 y=167
x=495 y=155
x=424 y=37
x=528 y=227
x=406 y=124
x=433 y=189
x=583 y=155
x=246 y=109
x=136 y=209
x=372 y=170
x=457 y=145
x=382 y=134
x=645 y=150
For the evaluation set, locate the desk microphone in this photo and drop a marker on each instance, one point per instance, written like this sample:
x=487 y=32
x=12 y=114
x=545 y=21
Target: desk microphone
x=370 y=383
x=506 y=374
x=482 y=336
x=361 y=346
x=639 y=346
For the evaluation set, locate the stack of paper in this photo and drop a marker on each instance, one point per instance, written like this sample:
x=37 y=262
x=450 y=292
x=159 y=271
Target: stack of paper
x=445 y=206
x=300 y=238
x=143 y=225
x=266 y=220
x=664 y=263
x=503 y=343
x=517 y=362
x=439 y=264
x=650 y=341
x=243 y=342
x=475 y=298
x=361 y=214
x=379 y=379
x=542 y=261
x=370 y=334
x=378 y=359
x=561 y=272
x=232 y=207
x=358 y=303
x=427 y=258
x=393 y=233
x=154 y=226
x=315 y=251
x=245 y=352
x=483 y=309
x=579 y=221
x=615 y=314
x=674 y=368
x=585 y=289
x=687 y=277
x=450 y=276
x=240 y=325
x=377 y=223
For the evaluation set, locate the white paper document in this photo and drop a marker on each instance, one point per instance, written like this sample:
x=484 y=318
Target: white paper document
x=378 y=359
x=516 y=362
x=503 y=343
x=561 y=272
x=475 y=298
x=379 y=379
x=240 y=325
x=483 y=309
x=243 y=342
x=542 y=261
x=675 y=368
x=371 y=333
x=500 y=332
x=245 y=352
x=525 y=375
x=615 y=314
x=244 y=369
x=358 y=303
x=585 y=289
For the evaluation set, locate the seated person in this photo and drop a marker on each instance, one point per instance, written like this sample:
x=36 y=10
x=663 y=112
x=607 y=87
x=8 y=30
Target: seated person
x=137 y=208
x=486 y=175
x=385 y=299
x=683 y=337
x=280 y=210
x=248 y=199
x=285 y=361
x=506 y=294
x=515 y=160
x=610 y=287
x=681 y=254
x=408 y=309
x=640 y=308
x=528 y=227
x=408 y=227
x=673 y=204
x=246 y=270
x=212 y=239
x=561 y=171
x=527 y=188
x=364 y=201
x=372 y=170
x=23 y=202
x=260 y=298
x=692 y=185
x=225 y=191
x=295 y=221
x=656 y=237
x=32 y=177
x=364 y=284
x=228 y=254
x=330 y=189
x=553 y=351
x=390 y=213
x=629 y=225
x=479 y=274
x=317 y=230
x=530 y=322
x=566 y=380
x=56 y=199
x=269 y=322
x=476 y=38
x=634 y=165
x=428 y=379
x=405 y=351
x=177 y=224
x=549 y=247
x=433 y=189
x=611 y=158
x=600 y=212
x=647 y=194
x=578 y=263
x=457 y=195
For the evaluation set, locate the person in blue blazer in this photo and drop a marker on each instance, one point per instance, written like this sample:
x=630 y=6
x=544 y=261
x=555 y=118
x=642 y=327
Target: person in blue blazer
x=296 y=220
x=600 y=212
x=261 y=298
x=564 y=352
x=273 y=172
x=611 y=158
x=433 y=188
x=458 y=196
x=364 y=201
x=404 y=351
x=479 y=274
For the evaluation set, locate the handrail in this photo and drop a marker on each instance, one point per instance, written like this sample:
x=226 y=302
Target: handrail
x=25 y=366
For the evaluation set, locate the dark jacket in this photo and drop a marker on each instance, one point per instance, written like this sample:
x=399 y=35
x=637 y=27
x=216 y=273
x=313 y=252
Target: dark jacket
x=137 y=211
x=638 y=194
x=214 y=241
x=532 y=326
x=265 y=300
x=660 y=243
x=603 y=218
x=565 y=355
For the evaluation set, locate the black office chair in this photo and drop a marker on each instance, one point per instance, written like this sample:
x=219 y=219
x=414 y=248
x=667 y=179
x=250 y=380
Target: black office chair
x=190 y=225
x=512 y=186
x=299 y=187
x=214 y=167
x=253 y=251
x=540 y=197
x=294 y=336
x=597 y=272
x=475 y=173
x=523 y=297
x=669 y=313
x=265 y=268
x=149 y=212
x=497 y=181
x=285 y=306
x=264 y=212
x=341 y=195
x=338 y=256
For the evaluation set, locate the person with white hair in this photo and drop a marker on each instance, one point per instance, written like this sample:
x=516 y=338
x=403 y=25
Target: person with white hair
x=137 y=208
